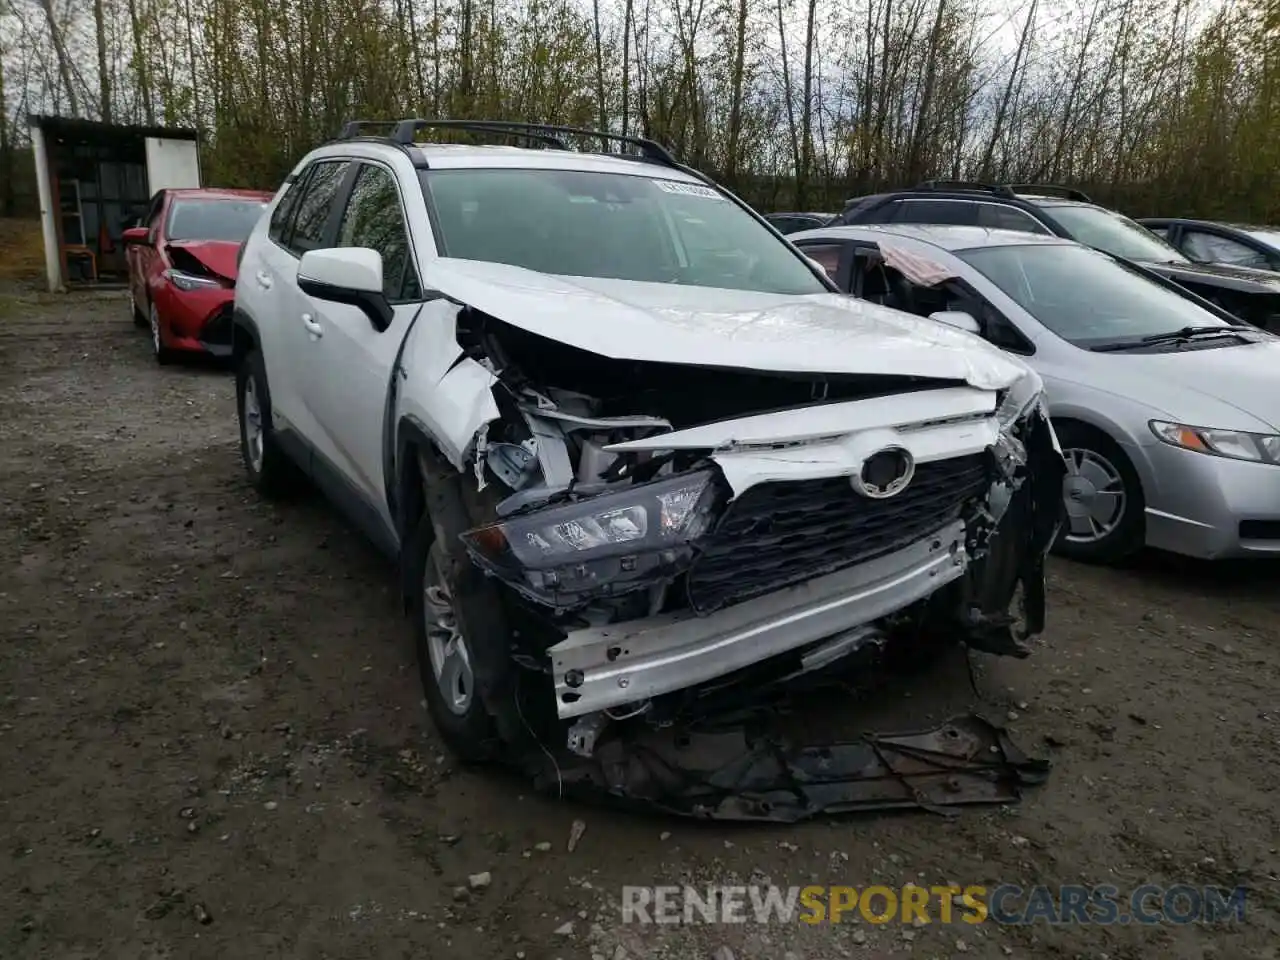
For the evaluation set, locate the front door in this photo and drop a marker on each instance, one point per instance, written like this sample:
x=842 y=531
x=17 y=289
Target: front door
x=350 y=361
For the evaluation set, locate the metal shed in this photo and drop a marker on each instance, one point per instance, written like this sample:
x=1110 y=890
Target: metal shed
x=95 y=180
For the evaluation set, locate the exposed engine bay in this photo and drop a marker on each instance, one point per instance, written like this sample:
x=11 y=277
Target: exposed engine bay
x=665 y=532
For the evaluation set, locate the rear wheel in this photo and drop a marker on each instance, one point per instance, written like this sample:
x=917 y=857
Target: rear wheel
x=1103 y=495
x=269 y=468
x=139 y=318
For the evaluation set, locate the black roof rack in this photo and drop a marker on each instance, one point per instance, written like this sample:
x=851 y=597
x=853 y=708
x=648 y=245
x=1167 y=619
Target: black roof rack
x=404 y=133
x=1069 y=193
x=975 y=185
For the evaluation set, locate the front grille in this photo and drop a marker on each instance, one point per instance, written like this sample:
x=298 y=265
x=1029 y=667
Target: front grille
x=779 y=534
x=217 y=331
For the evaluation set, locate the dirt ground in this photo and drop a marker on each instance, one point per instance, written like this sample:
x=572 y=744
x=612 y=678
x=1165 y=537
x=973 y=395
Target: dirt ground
x=212 y=742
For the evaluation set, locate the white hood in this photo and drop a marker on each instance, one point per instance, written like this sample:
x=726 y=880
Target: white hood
x=673 y=323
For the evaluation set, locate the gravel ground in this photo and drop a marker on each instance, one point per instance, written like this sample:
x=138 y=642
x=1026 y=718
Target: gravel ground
x=212 y=742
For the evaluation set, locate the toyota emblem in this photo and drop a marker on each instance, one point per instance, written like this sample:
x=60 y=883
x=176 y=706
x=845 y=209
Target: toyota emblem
x=884 y=474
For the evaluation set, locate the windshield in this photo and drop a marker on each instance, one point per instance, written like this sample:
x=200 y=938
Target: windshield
x=231 y=220
x=611 y=225
x=1114 y=233
x=1084 y=296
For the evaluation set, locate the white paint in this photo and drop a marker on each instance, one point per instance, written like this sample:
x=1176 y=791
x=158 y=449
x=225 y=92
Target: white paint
x=172 y=164
x=831 y=420
x=48 y=211
x=347 y=268
x=834 y=440
x=708 y=326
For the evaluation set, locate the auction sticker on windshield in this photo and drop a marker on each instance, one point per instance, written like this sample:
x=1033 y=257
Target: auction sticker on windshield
x=687 y=189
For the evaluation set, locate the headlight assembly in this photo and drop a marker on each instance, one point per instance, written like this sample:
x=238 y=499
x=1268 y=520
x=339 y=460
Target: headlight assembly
x=1025 y=392
x=1233 y=444
x=609 y=543
x=188 y=281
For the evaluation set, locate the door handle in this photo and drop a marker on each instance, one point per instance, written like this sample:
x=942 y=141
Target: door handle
x=264 y=280
x=313 y=328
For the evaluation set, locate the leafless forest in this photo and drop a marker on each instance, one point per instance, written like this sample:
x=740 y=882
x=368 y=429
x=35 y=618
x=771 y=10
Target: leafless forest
x=1156 y=105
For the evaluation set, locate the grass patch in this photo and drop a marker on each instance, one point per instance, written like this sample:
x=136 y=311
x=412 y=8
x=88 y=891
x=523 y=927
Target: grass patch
x=21 y=251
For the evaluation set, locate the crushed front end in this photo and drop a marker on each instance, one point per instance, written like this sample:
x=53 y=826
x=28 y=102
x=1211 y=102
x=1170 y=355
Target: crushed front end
x=658 y=552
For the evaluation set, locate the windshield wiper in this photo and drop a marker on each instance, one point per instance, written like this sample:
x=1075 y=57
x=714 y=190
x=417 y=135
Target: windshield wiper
x=1173 y=336
x=1186 y=333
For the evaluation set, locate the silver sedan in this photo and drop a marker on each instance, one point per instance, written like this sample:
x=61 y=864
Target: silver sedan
x=1168 y=412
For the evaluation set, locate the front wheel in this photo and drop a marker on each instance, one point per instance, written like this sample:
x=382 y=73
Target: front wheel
x=162 y=353
x=446 y=654
x=1103 y=495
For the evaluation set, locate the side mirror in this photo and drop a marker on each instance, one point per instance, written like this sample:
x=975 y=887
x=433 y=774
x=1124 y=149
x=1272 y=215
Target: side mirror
x=350 y=275
x=959 y=319
x=136 y=235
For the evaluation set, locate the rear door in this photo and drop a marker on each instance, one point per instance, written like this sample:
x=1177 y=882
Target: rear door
x=307 y=224
x=349 y=361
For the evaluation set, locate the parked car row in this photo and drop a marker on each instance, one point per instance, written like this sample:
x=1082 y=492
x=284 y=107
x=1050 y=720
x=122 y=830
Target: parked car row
x=629 y=447
x=1165 y=405
x=1208 y=259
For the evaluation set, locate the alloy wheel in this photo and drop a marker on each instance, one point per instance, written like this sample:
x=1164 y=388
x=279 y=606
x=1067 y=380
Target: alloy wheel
x=156 y=345
x=1095 y=495
x=252 y=425
x=450 y=658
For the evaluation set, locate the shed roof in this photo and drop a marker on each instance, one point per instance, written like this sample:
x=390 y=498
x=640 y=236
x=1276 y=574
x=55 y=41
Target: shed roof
x=79 y=127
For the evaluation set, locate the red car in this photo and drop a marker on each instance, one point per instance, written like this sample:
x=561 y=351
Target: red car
x=182 y=267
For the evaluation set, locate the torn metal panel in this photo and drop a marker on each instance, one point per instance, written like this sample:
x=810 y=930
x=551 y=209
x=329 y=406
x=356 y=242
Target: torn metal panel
x=823 y=421
x=597 y=668
x=451 y=395
x=678 y=324
x=733 y=773
x=919 y=270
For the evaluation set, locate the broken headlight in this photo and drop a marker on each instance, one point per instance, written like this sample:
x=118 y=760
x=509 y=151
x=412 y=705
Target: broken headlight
x=1025 y=392
x=617 y=539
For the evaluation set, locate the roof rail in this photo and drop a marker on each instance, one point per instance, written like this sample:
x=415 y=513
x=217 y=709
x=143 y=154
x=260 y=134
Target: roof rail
x=976 y=185
x=404 y=133
x=1070 y=193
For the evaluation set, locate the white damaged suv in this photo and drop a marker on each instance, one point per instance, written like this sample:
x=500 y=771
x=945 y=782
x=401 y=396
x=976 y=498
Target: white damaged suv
x=624 y=441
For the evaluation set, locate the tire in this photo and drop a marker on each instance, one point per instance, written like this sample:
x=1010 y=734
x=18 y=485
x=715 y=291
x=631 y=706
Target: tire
x=442 y=614
x=162 y=353
x=139 y=318
x=269 y=468
x=1096 y=466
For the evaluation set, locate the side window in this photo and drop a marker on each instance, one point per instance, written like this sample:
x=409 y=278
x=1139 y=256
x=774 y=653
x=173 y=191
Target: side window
x=1211 y=248
x=1000 y=216
x=315 y=203
x=785 y=224
x=374 y=218
x=958 y=212
x=282 y=215
x=1161 y=232
x=827 y=254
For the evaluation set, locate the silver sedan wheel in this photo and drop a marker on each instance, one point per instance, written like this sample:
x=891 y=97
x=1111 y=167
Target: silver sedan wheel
x=252 y=425
x=1094 y=493
x=450 y=659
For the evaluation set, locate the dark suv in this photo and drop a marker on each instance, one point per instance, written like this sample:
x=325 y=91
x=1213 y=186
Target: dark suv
x=1252 y=295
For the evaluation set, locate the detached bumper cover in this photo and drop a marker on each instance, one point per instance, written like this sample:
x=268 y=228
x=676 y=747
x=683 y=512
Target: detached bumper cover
x=604 y=667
